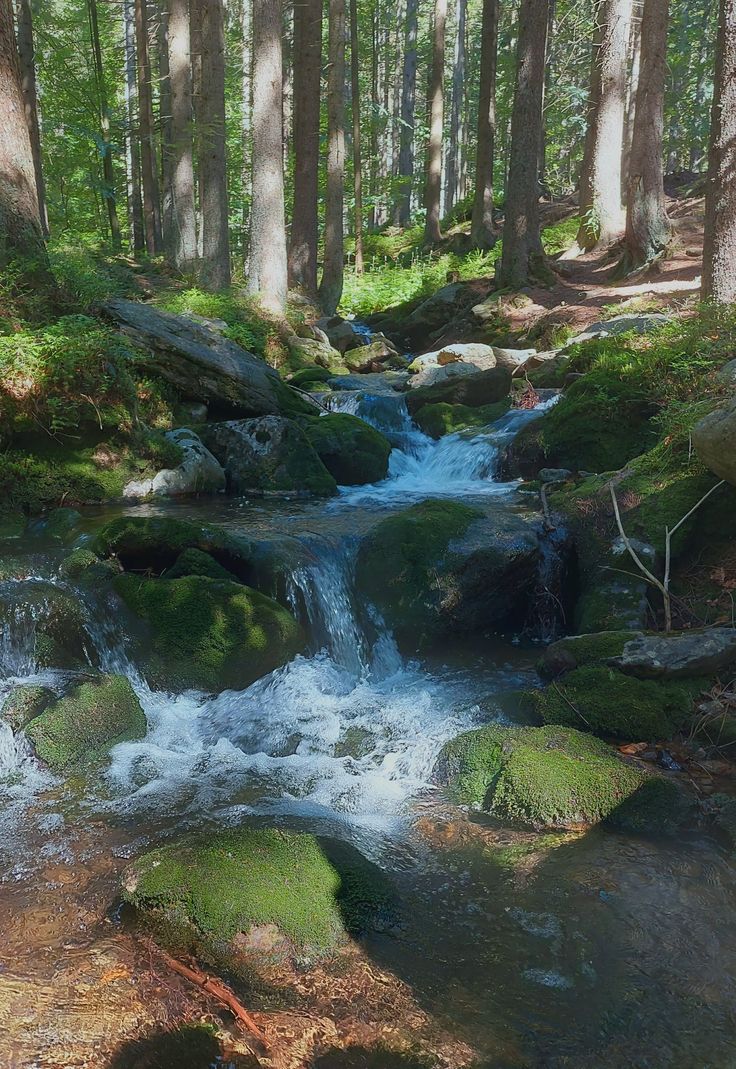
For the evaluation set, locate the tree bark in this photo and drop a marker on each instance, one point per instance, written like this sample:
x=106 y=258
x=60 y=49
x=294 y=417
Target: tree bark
x=210 y=119
x=26 y=54
x=307 y=84
x=133 y=157
x=165 y=128
x=647 y=226
x=482 y=233
x=182 y=243
x=523 y=255
x=246 y=121
x=330 y=290
x=267 y=276
x=602 y=217
x=719 y=254
x=357 y=147
x=108 y=171
x=631 y=91
x=454 y=164
x=433 y=184
x=149 y=174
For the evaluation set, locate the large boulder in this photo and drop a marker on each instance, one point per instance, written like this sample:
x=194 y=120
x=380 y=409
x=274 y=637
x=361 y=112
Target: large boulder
x=373 y=356
x=341 y=333
x=474 y=390
x=24 y=703
x=202 y=364
x=198 y=473
x=79 y=729
x=714 y=438
x=270 y=455
x=631 y=323
x=552 y=777
x=434 y=374
x=306 y=352
x=440 y=567
x=153 y=544
x=692 y=653
x=352 y=451
x=251 y=900
x=440 y=419
x=207 y=633
x=437 y=311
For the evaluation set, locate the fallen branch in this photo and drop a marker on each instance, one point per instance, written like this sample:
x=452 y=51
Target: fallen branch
x=218 y=990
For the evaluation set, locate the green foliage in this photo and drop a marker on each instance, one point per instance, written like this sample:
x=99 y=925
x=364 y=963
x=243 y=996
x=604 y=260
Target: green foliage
x=246 y=323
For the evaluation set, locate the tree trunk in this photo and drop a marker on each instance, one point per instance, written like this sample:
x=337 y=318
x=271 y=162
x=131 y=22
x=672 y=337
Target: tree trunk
x=151 y=205
x=26 y=54
x=210 y=118
x=719 y=254
x=246 y=122
x=165 y=129
x=330 y=290
x=21 y=235
x=482 y=233
x=182 y=245
x=135 y=203
x=307 y=84
x=647 y=225
x=433 y=184
x=454 y=164
x=108 y=171
x=602 y=216
x=523 y=255
x=357 y=153
x=267 y=276
x=632 y=87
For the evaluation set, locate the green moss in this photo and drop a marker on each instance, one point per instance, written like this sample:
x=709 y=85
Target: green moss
x=352 y=451
x=577 y=651
x=552 y=777
x=207 y=633
x=308 y=375
x=152 y=544
x=23 y=704
x=474 y=391
x=195 y=562
x=208 y=896
x=439 y=419
x=80 y=728
x=83 y=564
x=607 y=702
x=12 y=523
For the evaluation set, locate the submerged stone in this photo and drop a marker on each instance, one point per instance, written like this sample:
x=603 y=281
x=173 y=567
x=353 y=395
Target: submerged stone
x=352 y=451
x=55 y=623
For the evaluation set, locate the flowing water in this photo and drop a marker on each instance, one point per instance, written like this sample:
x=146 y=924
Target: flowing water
x=591 y=950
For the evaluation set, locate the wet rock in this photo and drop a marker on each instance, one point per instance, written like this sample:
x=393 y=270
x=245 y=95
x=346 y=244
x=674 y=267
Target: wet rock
x=714 y=438
x=152 y=544
x=440 y=419
x=252 y=900
x=555 y=777
x=198 y=473
x=270 y=455
x=80 y=728
x=62 y=525
x=52 y=622
x=478 y=388
x=207 y=633
x=341 y=334
x=24 y=703
x=352 y=451
x=692 y=653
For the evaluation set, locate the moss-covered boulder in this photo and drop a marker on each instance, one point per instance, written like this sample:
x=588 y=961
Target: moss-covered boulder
x=24 y=703
x=153 y=544
x=352 y=451
x=79 y=729
x=55 y=622
x=253 y=898
x=195 y=562
x=440 y=419
x=555 y=777
x=307 y=376
x=83 y=565
x=577 y=651
x=208 y=633
x=607 y=702
x=484 y=388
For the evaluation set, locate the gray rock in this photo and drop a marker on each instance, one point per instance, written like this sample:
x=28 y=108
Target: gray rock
x=554 y=475
x=476 y=353
x=475 y=389
x=436 y=311
x=366 y=357
x=727 y=374
x=513 y=359
x=198 y=473
x=623 y=324
x=313 y=351
x=197 y=360
x=714 y=438
x=189 y=412
x=435 y=373
x=341 y=333
x=692 y=653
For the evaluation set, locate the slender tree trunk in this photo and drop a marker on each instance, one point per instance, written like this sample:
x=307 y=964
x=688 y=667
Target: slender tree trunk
x=307 y=84
x=357 y=153
x=268 y=227
x=26 y=54
x=647 y=226
x=182 y=245
x=288 y=61
x=433 y=184
x=548 y=68
x=601 y=203
x=247 y=122
x=373 y=176
x=632 y=87
x=523 y=255
x=719 y=254
x=482 y=232
x=135 y=203
x=108 y=171
x=330 y=290
x=165 y=129
x=21 y=235
x=402 y=215
x=453 y=167
x=151 y=204
x=210 y=118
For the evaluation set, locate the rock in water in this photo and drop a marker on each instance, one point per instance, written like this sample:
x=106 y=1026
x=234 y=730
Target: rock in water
x=714 y=438
x=198 y=473
x=693 y=653
x=474 y=389
x=24 y=703
x=352 y=451
x=270 y=455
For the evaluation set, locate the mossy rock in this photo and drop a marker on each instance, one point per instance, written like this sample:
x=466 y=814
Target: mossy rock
x=440 y=419
x=12 y=523
x=577 y=651
x=195 y=562
x=62 y=525
x=476 y=391
x=153 y=544
x=352 y=451
x=250 y=898
x=79 y=729
x=60 y=635
x=308 y=375
x=24 y=703
x=555 y=777
x=607 y=702
x=209 y=634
